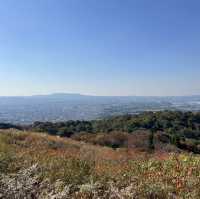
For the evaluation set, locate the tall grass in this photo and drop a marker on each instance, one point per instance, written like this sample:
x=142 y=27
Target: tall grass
x=94 y=175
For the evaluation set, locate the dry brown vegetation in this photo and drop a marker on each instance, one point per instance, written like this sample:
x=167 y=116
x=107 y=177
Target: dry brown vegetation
x=137 y=141
x=35 y=165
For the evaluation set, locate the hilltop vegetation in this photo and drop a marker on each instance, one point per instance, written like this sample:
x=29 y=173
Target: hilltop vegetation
x=40 y=166
x=123 y=157
x=180 y=129
x=162 y=120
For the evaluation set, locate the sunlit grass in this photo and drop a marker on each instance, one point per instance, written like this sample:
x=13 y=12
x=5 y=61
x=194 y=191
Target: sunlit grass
x=76 y=163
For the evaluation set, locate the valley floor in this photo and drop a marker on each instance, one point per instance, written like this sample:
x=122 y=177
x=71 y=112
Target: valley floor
x=36 y=165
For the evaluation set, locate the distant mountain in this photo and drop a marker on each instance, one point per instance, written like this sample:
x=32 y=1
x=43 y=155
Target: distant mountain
x=60 y=95
x=64 y=106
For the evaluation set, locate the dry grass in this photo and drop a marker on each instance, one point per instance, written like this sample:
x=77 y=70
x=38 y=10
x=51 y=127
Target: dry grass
x=95 y=171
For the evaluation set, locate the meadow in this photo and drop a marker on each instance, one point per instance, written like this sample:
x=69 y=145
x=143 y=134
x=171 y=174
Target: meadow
x=37 y=165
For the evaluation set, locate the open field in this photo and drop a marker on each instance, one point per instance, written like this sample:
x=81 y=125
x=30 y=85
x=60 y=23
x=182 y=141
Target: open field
x=36 y=165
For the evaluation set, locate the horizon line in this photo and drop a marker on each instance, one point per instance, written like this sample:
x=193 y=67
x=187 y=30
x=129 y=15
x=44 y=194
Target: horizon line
x=93 y=95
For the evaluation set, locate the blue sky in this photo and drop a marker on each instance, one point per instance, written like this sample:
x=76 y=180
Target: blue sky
x=100 y=47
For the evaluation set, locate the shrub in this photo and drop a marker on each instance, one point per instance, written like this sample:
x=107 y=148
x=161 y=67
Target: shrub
x=151 y=141
x=71 y=171
x=114 y=140
x=6 y=155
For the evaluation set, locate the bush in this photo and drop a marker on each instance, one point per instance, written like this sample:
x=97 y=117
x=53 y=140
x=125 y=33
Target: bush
x=151 y=141
x=6 y=157
x=113 y=139
x=71 y=171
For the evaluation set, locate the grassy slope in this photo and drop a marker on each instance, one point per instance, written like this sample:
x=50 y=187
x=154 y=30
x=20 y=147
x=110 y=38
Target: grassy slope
x=89 y=171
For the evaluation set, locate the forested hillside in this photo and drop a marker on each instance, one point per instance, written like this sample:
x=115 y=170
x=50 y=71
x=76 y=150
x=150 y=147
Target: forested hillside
x=131 y=156
x=181 y=129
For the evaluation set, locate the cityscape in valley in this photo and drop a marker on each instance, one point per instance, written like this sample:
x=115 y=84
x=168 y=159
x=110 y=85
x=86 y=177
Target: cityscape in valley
x=63 y=107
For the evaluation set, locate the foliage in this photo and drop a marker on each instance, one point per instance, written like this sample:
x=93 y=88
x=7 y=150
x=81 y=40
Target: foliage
x=113 y=139
x=68 y=171
x=6 y=154
x=181 y=127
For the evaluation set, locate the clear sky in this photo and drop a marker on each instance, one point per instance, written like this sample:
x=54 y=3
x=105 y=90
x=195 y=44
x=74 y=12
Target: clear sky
x=100 y=47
